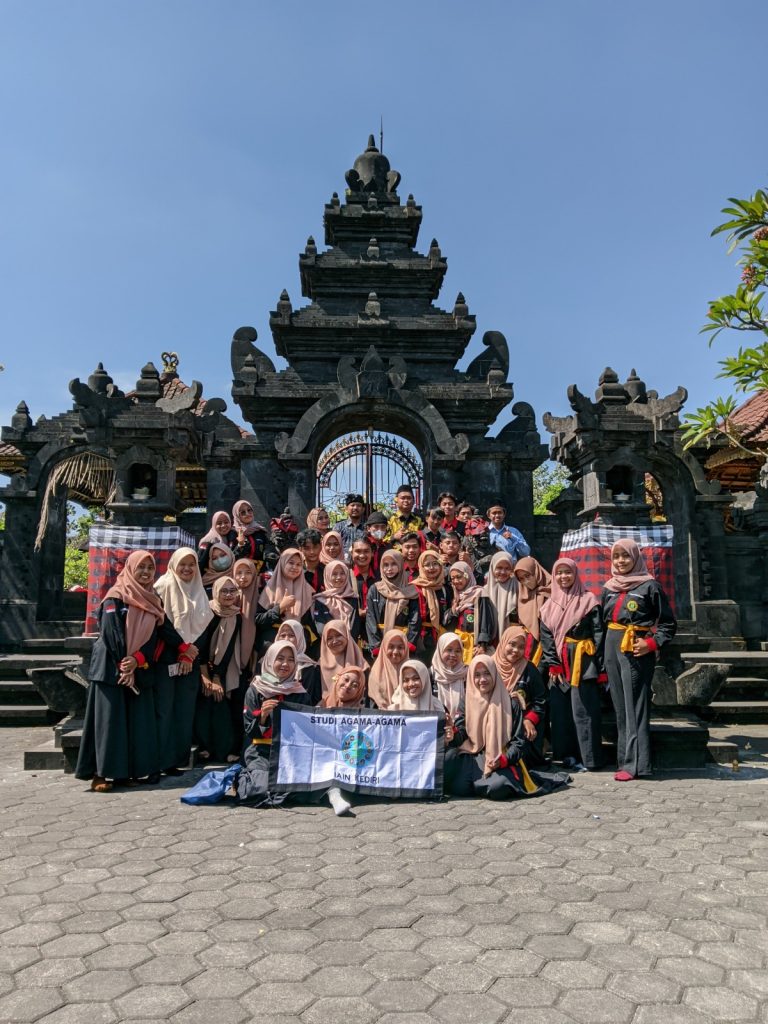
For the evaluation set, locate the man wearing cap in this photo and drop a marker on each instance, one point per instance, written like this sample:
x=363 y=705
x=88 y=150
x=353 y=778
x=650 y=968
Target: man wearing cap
x=404 y=519
x=376 y=531
x=505 y=537
x=352 y=528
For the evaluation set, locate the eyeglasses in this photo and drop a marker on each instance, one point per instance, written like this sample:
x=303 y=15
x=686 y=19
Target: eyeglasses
x=228 y=593
x=244 y=510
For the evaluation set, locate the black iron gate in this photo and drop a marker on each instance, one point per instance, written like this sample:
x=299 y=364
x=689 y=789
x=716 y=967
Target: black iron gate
x=371 y=464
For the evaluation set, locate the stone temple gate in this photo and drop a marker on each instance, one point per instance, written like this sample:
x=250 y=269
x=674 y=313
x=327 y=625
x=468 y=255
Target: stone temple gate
x=369 y=350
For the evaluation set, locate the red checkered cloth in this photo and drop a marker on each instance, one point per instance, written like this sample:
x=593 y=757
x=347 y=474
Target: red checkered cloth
x=590 y=547
x=109 y=547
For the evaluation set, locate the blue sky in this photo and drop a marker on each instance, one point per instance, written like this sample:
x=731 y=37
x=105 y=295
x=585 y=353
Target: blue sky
x=164 y=162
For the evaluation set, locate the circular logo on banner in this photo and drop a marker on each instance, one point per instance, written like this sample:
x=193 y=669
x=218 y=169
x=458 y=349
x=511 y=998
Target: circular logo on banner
x=357 y=749
x=632 y=606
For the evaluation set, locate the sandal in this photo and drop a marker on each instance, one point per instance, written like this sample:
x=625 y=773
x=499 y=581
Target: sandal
x=100 y=785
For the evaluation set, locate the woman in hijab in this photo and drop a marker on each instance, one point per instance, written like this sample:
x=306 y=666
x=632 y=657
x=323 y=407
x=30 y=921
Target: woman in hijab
x=533 y=586
x=449 y=673
x=249 y=539
x=471 y=615
x=501 y=590
x=177 y=683
x=571 y=637
x=119 y=740
x=347 y=693
x=287 y=595
x=487 y=747
x=524 y=684
x=331 y=547
x=275 y=682
x=337 y=649
x=307 y=670
x=318 y=519
x=220 y=669
x=337 y=600
x=385 y=671
x=434 y=596
x=221 y=532
x=393 y=603
x=414 y=689
x=220 y=564
x=639 y=620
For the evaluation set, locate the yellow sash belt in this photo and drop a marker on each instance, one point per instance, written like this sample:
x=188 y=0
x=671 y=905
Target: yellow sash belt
x=467 y=644
x=528 y=784
x=582 y=647
x=536 y=656
x=628 y=640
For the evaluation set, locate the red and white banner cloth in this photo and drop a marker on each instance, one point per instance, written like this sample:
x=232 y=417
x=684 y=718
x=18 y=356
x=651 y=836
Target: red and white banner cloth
x=108 y=549
x=590 y=547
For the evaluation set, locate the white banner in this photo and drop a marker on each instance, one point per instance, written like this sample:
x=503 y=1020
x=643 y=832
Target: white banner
x=382 y=753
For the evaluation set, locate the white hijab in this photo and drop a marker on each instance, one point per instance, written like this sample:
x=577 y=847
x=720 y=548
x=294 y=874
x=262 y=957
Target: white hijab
x=185 y=604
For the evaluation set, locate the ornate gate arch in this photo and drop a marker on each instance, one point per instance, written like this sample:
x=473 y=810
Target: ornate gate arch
x=371 y=463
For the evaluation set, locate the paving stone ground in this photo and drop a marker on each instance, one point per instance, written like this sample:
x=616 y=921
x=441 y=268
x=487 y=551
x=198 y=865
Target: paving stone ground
x=605 y=904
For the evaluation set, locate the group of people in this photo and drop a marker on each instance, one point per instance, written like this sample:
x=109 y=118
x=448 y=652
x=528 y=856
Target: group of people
x=448 y=612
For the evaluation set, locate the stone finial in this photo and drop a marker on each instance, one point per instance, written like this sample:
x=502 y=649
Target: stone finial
x=284 y=307
x=609 y=391
x=373 y=306
x=372 y=172
x=99 y=380
x=635 y=387
x=21 y=420
x=335 y=201
x=373 y=203
x=410 y=201
x=373 y=252
x=434 y=251
x=148 y=388
x=311 y=248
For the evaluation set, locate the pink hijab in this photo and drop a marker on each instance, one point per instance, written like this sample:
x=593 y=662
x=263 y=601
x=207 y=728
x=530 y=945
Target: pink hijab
x=237 y=522
x=145 y=609
x=566 y=608
x=215 y=536
x=280 y=586
x=329 y=663
x=384 y=675
x=620 y=583
x=335 y=598
x=325 y=557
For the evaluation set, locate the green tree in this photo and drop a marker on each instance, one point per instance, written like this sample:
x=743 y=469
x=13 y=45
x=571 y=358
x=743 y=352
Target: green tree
x=548 y=481
x=743 y=310
x=75 y=555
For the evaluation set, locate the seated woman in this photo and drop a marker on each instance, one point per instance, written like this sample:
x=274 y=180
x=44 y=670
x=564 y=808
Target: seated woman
x=331 y=547
x=348 y=692
x=533 y=588
x=337 y=600
x=393 y=603
x=221 y=562
x=186 y=605
x=449 y=673
x=275 y=682
x=414 y=689
x=219 y=533
x=435 y=597
x=385 y=671
x=287 y=595
x=487 y=745
x=119 y=742
x=471 y=615
x=524 y=684
x=307 y=670
x=571 y=637
x=220 y=676
x=501 y=589
x=337 y=649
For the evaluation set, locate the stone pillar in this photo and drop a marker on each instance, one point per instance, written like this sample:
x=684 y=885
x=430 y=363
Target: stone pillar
x=714 y=574
x=18 y=570
x=51 y=558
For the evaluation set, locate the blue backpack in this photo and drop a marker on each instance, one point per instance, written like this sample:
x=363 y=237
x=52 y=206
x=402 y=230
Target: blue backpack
x=212 y=787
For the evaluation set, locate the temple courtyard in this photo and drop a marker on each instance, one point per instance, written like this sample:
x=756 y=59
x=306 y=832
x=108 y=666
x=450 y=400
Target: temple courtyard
x=606 y=903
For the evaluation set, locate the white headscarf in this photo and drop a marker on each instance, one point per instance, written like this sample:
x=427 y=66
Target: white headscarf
x=185 y=604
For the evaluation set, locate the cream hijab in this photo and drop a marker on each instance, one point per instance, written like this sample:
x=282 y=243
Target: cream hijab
x=384 y=675
x=425 y=701
x=503 y=595
x=450 y=682
x=488 y=717
x=185 y=604
x=329 y=663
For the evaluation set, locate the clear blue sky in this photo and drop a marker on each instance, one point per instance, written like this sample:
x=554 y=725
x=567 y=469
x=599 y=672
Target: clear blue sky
x=164 y=162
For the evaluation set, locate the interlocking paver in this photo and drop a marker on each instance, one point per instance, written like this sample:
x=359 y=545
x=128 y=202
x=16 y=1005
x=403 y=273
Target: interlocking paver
x=134 y=908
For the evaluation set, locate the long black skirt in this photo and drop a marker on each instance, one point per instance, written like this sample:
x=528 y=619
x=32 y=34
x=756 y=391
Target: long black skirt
x=464 y=777
x=119 y=738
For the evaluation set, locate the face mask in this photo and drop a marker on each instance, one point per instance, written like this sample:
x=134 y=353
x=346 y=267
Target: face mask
x=220 y=563
x=379 y=534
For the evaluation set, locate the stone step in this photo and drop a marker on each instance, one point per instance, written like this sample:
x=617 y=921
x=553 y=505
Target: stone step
x=743 y=662
x=736 y=711
x=14 y=666
x=45 y=645
x=45 y=758
x=745 y=688
x=19 y=691
x=59 y=628
x=26 y=715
